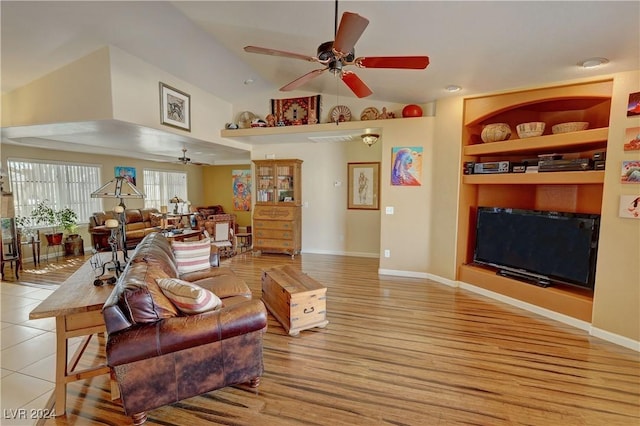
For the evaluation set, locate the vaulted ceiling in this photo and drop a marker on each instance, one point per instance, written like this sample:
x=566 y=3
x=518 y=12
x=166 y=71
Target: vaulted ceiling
x=481 y=46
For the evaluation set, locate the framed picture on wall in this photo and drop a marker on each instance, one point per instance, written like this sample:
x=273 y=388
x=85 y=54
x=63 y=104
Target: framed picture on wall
x=406 y=166
x=175 y=108
x=363 y=186
x=129 y=173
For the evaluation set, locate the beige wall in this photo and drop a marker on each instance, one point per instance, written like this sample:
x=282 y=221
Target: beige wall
x=406 y=233
x=327 y=225
x=218 y=189
x=80 y=91
x=616 y=307
x=446 y=179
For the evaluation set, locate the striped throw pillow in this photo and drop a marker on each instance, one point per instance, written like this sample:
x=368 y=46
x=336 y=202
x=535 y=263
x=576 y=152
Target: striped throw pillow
x=192 y=255
x=189 y=298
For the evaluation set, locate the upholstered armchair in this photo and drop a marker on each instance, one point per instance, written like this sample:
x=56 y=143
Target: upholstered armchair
x=220 y=229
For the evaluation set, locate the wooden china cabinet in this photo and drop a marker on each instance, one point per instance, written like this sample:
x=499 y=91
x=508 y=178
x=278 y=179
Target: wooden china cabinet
x=277 y=217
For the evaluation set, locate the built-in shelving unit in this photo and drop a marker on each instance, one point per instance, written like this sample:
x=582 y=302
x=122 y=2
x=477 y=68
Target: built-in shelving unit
x=571 y=191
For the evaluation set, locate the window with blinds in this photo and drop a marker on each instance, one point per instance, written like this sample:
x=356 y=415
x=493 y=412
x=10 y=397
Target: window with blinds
x=161 y=186
x=64 y=185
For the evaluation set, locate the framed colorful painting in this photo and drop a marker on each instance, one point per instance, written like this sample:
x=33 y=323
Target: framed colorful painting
x=241 y=189
x=363 y=186
x=129 y=173
x=406 y=166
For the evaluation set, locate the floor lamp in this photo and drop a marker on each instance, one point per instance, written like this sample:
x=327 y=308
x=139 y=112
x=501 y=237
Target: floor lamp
x=119 y=187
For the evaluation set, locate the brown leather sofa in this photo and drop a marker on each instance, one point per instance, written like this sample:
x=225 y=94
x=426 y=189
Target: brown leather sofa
x=138 y=224
x=159 y=356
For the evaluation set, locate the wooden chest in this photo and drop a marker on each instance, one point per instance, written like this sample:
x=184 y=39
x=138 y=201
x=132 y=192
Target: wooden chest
x=296 y=300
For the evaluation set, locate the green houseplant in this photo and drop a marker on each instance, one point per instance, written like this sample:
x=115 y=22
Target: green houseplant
x=45 y=214
x=67 y=219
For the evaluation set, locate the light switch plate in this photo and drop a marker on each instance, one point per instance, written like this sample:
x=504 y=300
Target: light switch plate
x=388 y=210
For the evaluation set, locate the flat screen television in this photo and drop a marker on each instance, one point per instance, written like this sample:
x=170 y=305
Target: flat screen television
x=541 y=247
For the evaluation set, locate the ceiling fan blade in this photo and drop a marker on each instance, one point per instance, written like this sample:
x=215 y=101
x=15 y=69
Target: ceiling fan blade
x=351 y=28
x=302 y=80
x=400 y=62
x=274 y=52
x=356 y=85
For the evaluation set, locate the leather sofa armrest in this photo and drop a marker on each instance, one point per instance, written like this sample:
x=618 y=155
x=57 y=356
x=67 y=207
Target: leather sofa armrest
x=178 y=333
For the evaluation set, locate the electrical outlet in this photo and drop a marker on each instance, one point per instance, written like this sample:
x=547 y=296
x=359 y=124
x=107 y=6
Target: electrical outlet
x=387 y=253
x=388 y=210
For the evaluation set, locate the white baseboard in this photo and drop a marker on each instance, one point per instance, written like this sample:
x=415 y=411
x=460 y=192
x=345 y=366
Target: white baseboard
x=342 y=253
x=615 y=338
x=423 y=275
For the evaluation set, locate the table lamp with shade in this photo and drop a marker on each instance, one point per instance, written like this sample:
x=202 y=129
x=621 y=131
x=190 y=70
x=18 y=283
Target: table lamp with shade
x=175 y=201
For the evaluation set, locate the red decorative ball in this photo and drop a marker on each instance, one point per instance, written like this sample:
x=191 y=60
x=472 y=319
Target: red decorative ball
x=412 y=111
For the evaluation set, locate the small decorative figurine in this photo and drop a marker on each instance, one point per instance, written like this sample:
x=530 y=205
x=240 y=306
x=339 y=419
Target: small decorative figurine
x=271 y=120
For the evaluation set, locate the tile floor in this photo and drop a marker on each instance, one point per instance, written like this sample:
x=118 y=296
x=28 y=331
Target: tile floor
x=27 y=356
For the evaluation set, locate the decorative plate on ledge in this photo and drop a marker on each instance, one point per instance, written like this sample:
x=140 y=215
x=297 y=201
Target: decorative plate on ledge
x=370 y=113
x=340 y=113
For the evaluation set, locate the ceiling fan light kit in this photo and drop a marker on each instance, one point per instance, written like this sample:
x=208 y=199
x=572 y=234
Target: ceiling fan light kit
x=370 y=138
x=340 y=52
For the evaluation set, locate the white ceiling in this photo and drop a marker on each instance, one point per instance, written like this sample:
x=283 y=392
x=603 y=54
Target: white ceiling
x=479 y=45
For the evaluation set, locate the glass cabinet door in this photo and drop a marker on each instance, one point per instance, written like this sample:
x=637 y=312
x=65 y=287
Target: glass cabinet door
x=265 y=191
x=286 y=183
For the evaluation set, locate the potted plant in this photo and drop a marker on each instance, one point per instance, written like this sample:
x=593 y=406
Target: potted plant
x=44 y=214
x=26 y=225
x=68 y=220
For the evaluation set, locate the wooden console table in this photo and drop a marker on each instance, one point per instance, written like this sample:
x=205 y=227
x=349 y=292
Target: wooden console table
x=77 y=308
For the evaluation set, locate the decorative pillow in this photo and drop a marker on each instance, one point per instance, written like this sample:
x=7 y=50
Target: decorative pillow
x=189 y=298
x=192 y=255
x=155 y=219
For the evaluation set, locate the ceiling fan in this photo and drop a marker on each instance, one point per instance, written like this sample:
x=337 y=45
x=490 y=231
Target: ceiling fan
x=186 y=160
x=338 y=53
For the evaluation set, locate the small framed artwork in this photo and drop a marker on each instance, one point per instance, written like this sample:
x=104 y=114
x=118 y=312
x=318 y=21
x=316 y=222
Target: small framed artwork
x=629 y=206
x=175 y=108
x=129 y=173
x=630 y=172
x=633 y=107
x=363 y=186
x=632 y=139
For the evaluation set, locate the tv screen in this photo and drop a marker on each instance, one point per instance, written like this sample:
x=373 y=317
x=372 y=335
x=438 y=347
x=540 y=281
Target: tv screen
x=542 y=247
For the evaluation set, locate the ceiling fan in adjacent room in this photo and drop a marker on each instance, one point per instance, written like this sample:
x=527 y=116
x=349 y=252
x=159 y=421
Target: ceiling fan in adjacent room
x=186 y=160
x=339 y=53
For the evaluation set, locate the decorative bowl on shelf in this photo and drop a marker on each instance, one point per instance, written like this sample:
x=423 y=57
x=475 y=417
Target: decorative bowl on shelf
x=530 y=130
x=495 y=132
x=572 y=126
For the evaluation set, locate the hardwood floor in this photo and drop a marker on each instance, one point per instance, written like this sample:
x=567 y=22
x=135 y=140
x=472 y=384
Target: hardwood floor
x=400 y=351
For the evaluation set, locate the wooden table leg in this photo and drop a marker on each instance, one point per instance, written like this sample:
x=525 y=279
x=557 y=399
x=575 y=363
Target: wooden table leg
x=61 y=366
